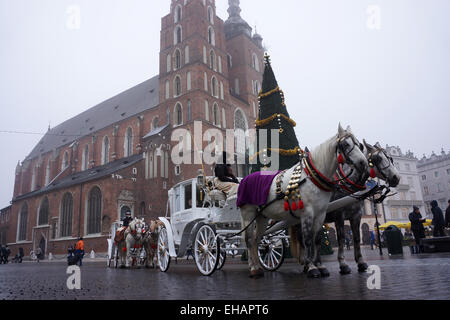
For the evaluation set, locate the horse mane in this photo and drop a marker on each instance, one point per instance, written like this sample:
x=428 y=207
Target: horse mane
x=320 y=154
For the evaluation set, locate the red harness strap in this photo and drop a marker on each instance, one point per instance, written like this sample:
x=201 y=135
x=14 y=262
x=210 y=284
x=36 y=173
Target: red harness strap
x=321 y=182
x=353 y=187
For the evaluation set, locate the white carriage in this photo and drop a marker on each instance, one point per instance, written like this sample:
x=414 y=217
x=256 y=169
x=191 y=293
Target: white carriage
x=201 y=218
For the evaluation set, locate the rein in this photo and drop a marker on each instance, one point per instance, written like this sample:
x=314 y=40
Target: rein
x=316 y=177
x=345 y=183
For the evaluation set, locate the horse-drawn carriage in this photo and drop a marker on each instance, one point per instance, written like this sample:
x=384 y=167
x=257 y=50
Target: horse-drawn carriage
x=134 y=246
x=202 y=219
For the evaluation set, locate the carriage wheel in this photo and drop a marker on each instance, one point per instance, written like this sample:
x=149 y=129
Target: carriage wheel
x=116 y=257
x=271 y=253
x=163 y=250
x=222 y=259
x=111 y=258
x=206 y=250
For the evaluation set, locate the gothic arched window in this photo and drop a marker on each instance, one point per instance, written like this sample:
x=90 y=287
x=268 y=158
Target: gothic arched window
x=85 y=159
x=105 y=150
x=128 y=143
x=177 y=86
x=211 y=36
x=216 y=115
x=212 y=60
x=177 y=59
x=214 y=90
x=178 y=14
x=94 y=211
x=177 y=35
x=178 y=114
x=65 y=162
x=155 y=123
x=43 y=212
x=66 y=215
x=210 y=15
x=23 y=223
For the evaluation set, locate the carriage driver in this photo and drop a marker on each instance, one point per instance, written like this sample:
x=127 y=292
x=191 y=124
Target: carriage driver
x=225 y=180
x=120 y=233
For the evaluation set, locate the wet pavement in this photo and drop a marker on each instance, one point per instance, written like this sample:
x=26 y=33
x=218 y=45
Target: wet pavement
x=402 y=277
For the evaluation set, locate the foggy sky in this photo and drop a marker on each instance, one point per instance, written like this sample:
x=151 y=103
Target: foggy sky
x=391 y=85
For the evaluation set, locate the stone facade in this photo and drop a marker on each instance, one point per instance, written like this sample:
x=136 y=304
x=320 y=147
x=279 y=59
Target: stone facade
x=434 y=174
x=82 y=175
x=409 y=192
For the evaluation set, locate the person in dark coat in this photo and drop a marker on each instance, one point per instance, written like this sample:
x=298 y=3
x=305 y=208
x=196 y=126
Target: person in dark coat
x=1 y=254
x=438 y=220
x=126 y=221
x=417 y=228
x=225 y=179
x=447 y=216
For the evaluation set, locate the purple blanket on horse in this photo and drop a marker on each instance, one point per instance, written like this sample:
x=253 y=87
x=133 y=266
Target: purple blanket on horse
x=255 y=188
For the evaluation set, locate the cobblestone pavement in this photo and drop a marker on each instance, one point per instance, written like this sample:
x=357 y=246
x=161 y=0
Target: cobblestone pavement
x=405 y=277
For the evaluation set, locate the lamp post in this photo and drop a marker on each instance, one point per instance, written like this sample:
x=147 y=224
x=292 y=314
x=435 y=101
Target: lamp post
x=377 y=224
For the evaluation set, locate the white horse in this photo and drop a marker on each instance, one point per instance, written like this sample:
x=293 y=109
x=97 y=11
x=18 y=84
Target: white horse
x=133 y=238
x=150 y=242
x=383 y=169
x=342 y=147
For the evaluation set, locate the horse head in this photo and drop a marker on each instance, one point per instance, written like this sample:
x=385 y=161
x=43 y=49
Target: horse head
x=350 y=151
x=383 y=164
x=137 y=229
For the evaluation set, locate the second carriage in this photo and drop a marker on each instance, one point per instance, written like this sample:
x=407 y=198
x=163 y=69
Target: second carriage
x=201 y=220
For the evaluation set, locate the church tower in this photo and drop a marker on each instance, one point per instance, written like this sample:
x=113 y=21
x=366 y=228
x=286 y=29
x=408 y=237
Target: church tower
x=210 y=70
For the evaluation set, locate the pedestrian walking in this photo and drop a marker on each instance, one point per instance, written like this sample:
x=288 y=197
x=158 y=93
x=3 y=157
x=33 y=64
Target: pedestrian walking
x=79 y=250
x=7 y=253
x=447 y=216
x=347 y=241
x=38 y=254
x=417 y=228
x=1 y=254
x=372 y=240
x=438 y=220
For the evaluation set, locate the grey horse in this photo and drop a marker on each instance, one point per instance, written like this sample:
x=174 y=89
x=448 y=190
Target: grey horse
x=384 y=169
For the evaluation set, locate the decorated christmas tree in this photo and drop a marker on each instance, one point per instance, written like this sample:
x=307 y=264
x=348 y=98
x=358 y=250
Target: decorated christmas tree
x=274 y=115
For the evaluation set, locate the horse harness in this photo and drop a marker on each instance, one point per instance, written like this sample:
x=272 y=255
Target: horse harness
x=375 y=160
x=317 y=178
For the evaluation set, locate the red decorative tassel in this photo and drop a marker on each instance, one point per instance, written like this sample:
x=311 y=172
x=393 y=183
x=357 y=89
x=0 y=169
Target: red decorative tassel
x=124 y=249
x=301 y=205
x=372 y=173
x=340 y=159
x=286 y=206
x=294 y=206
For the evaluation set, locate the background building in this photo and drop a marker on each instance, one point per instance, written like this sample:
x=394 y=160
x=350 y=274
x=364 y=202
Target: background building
x=87 y=172
x=409 y=192
x=434 y=174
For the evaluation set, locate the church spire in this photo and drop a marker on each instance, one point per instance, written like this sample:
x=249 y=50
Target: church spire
x=235 y=25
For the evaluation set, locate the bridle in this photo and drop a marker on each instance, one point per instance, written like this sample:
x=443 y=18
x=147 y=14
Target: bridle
x=375 y=160
x=340 y=149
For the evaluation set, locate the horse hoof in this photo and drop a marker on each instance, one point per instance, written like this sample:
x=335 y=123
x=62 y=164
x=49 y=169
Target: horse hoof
x=345 y=270
x=324 y=273
x=122 y=267
x=363 y=267
x=256 y=274
x=314 y=273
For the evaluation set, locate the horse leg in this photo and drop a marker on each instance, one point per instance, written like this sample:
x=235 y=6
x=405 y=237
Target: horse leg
x=128 y=258
x=317 y=245
x=248 y=214
x=339 y=223
x=120 y=247
x=308 y=237
x=355 y=223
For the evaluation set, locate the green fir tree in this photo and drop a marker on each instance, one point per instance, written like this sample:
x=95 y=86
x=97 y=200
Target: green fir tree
x=273 y=114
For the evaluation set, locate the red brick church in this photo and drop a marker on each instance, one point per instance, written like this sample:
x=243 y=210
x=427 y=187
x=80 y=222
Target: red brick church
x=87 y=172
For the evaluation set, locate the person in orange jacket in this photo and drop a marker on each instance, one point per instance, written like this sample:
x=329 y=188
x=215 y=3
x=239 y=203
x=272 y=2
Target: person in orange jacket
x=79 y=250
